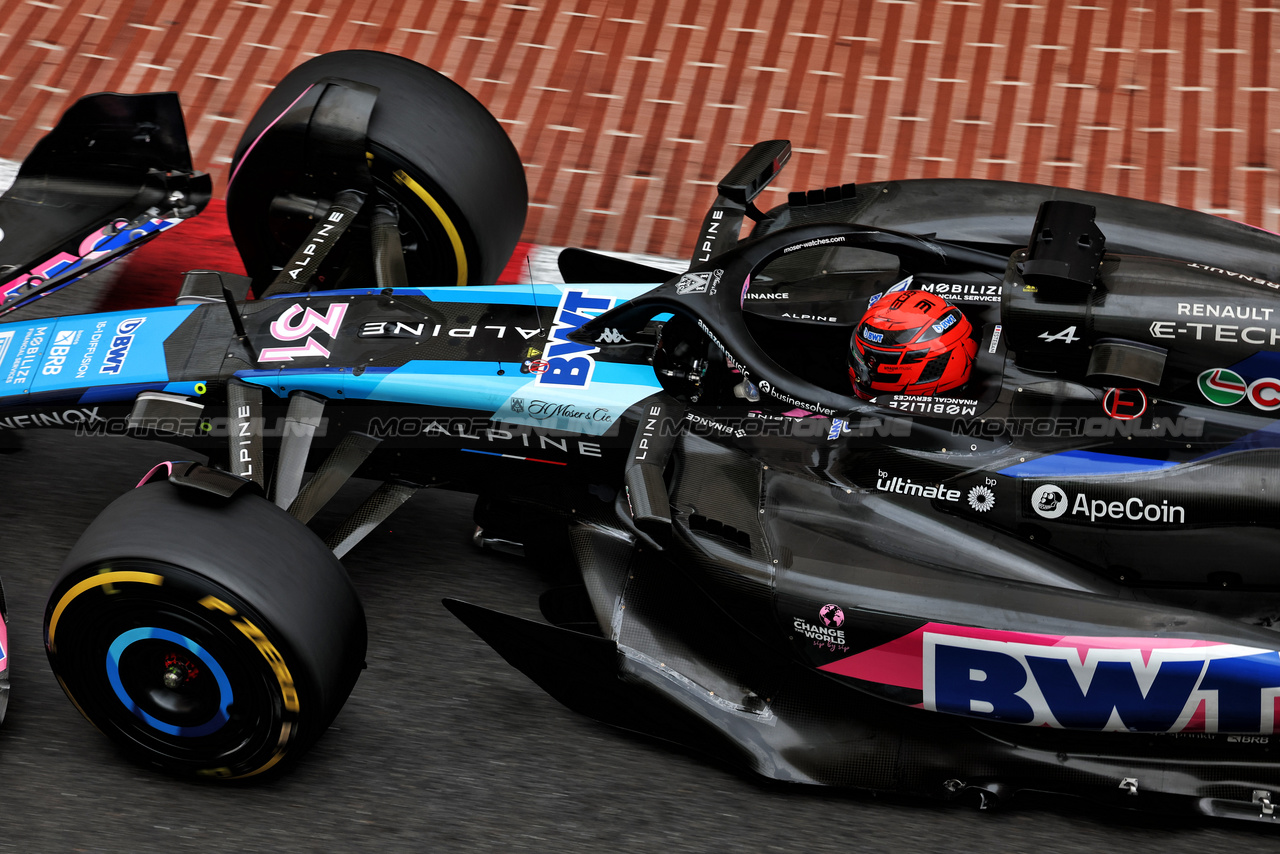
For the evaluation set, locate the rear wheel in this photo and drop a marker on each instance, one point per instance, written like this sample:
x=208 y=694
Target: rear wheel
x=433 y=149
x=211 y=639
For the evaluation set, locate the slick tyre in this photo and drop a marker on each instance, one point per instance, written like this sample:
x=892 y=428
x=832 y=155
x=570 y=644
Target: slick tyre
x=451 y=170
x=208 y=637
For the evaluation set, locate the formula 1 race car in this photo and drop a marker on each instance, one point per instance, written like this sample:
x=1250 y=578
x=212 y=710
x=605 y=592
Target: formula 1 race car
x=931 y=487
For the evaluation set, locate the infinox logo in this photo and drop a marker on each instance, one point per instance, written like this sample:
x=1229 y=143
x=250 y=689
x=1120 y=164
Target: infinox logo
x=568 y=363
x=1224 y=387
x=1112 y=684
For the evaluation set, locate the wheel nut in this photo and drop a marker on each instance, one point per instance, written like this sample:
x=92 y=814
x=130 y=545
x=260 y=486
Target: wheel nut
x=174 y=677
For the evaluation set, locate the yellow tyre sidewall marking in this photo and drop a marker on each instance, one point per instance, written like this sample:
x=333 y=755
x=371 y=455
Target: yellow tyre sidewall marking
x=454 y=239
x=100 y=580
x=288 y=692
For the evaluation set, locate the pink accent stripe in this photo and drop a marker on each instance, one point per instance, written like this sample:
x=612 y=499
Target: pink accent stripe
x=146 y=478
x=259 y=137
x=899 y=661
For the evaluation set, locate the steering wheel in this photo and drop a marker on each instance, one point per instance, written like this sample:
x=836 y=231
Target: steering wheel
x=711 y=295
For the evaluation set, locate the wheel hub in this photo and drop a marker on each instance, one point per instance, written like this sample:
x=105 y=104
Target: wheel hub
x=178 y=671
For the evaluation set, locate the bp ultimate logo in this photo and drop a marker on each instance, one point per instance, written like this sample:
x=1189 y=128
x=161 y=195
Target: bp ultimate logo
x=1106 y=684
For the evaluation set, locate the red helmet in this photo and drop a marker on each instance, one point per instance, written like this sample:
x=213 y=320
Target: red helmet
x=911 y=342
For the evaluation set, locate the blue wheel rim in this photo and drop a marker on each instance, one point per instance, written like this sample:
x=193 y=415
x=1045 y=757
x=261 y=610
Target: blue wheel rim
x=125 y=640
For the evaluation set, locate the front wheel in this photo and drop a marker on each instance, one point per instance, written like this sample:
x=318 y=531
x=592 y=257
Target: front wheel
x=436 y=152
x=210 y=638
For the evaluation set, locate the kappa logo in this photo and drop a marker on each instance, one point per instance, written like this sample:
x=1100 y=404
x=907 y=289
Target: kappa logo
x=698 y=283
x=612 y=336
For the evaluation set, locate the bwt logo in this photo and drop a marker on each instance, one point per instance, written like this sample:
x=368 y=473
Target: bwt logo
x=1110 y=689
x=568 y=362
x=118 y=350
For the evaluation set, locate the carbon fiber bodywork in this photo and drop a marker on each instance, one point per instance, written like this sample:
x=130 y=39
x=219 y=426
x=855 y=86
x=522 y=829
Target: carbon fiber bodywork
x=114 y=173
x=1060 y=577
x=818 y=596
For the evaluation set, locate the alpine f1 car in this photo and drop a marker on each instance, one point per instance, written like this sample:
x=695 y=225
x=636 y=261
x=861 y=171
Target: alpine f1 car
x=934 y=487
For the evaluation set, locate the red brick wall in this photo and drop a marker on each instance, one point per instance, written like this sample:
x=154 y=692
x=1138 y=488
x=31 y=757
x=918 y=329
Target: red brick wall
x=626 y=112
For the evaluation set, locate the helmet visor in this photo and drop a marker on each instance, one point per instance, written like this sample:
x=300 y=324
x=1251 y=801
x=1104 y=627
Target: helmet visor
x=948 y=320
x=875 y=335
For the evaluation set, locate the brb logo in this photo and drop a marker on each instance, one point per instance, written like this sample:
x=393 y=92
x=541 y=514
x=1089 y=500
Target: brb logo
x=1112 y=684
x=568 y=363
x=63 y=341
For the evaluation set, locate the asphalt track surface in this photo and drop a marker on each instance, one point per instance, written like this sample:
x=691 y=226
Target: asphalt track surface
x=442 y=745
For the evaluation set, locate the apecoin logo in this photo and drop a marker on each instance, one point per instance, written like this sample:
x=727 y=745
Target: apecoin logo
x=1049 y=501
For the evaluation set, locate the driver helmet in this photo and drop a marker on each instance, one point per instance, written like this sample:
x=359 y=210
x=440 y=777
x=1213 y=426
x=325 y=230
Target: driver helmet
x=911 y=342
